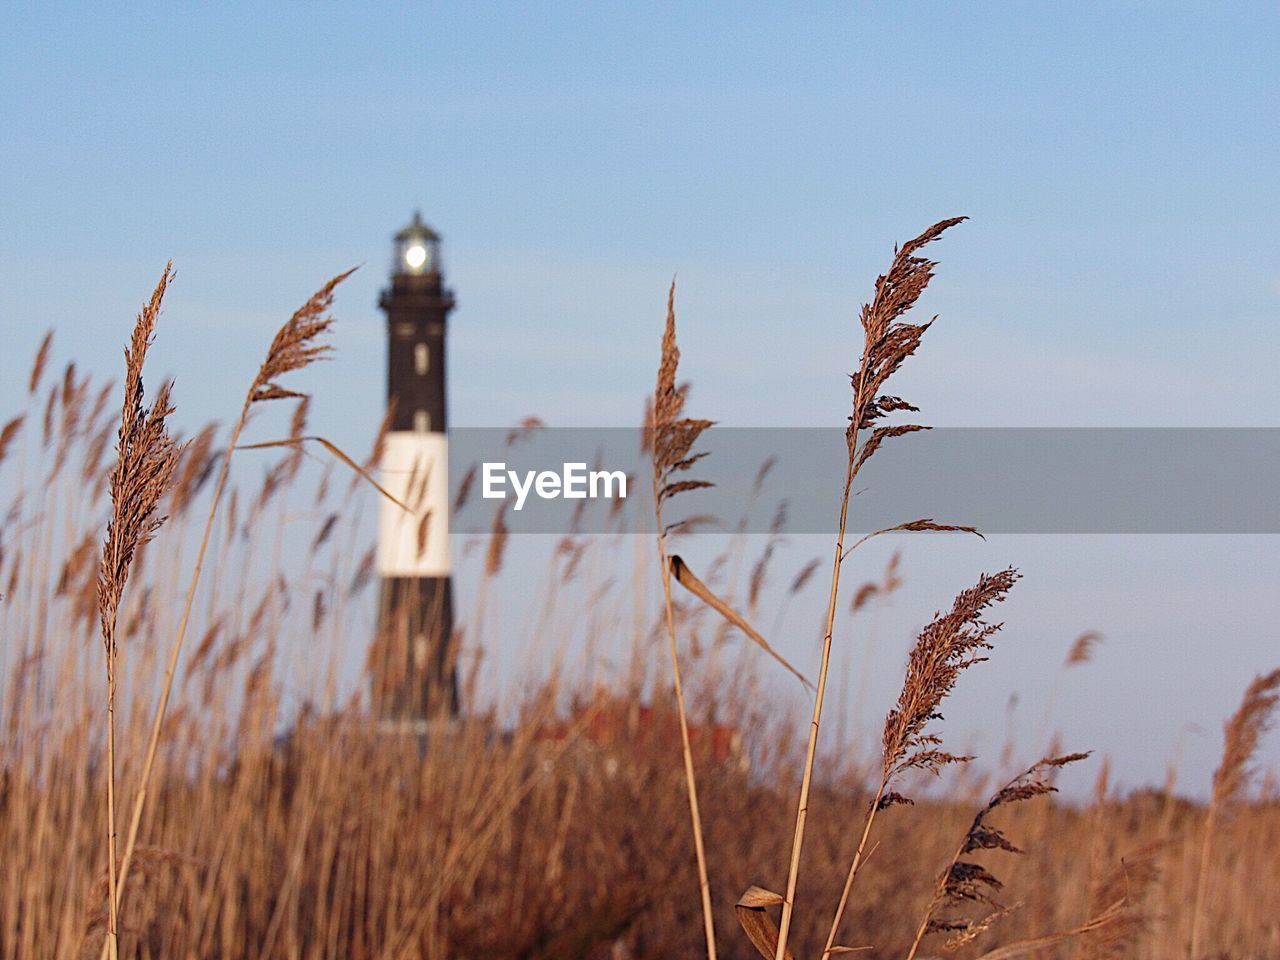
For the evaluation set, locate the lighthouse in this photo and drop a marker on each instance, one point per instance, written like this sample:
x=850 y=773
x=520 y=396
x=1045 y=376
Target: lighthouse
x=413 y=661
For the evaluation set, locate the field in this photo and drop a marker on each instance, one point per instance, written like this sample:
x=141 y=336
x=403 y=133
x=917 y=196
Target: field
x=173 y=667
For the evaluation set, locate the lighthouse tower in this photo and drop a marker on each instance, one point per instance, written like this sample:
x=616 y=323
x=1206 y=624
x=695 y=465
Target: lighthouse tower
x=413 y=667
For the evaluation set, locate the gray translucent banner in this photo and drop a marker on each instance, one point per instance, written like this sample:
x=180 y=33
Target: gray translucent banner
x=1060 y=481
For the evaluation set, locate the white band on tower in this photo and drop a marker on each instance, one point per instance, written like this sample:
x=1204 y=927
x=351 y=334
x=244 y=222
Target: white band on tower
x=415 y=470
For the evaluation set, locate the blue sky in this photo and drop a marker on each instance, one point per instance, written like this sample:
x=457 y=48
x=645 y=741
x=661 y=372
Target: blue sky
x=1118 y=160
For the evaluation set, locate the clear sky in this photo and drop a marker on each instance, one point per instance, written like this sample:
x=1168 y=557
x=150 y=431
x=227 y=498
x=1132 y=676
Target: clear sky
x=1122 y=266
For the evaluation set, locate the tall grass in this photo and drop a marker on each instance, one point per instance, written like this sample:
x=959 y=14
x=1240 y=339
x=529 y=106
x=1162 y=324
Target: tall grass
x=672 y=439
x=266 y=815
x=145 y=463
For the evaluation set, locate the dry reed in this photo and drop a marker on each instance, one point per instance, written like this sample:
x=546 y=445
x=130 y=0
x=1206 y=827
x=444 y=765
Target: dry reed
x=1231 y=780
x=671 y=441
x=295 y=346
x=887 y=342
x=146 y=458
x=540 y=828
x=946 y=647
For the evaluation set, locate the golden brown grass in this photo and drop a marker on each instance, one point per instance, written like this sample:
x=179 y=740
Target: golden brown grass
x=949 y=645
x=267 y=816
x=146 y=457
x=671 y=439
x=888 y=341
x=1231 y=780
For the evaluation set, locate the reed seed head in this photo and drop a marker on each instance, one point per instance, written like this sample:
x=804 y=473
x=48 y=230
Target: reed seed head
x=146 y=458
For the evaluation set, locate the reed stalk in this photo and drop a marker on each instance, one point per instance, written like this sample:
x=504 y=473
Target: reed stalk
x=294 y=347
x=887 y=342
x=671 y=438
x=146 y=458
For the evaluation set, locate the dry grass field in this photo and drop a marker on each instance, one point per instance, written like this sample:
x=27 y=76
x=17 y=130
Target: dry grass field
x=183 y=773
